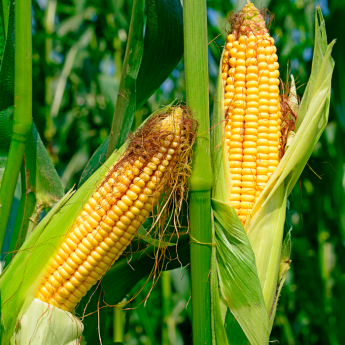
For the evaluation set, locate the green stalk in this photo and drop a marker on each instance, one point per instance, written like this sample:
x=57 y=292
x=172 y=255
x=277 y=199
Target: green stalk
x=166 y=302
x=119 y=322
x=22 y=118
x=49 y=18
x=126 y=98
x=196 y=72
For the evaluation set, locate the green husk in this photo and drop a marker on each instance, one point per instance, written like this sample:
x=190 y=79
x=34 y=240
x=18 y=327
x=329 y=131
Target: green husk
x=265 y=227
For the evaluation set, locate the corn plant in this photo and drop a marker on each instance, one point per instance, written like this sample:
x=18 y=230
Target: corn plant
x=240 y=172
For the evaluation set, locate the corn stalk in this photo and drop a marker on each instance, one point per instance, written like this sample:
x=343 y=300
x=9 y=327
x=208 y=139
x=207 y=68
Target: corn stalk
x=22 y=120
x=196 y=72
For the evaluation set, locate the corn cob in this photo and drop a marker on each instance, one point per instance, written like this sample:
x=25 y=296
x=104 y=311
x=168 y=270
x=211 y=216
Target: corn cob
x=112 y=216
x=251 y=103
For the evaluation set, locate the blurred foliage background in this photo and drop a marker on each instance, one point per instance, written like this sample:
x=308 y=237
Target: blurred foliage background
x=78 y=50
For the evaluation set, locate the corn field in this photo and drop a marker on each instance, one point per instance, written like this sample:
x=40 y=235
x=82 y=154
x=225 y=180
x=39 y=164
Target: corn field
x=171 y=172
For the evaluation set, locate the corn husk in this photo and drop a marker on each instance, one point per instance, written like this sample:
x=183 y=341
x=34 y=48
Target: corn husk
x=256 y=251
x=45 y=324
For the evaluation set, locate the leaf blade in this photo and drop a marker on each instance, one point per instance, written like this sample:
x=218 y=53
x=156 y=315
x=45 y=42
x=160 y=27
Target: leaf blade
x=163 y=47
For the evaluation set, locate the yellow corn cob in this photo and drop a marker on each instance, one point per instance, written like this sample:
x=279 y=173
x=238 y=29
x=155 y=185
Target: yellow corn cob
x=116 y=210
x=251 y=102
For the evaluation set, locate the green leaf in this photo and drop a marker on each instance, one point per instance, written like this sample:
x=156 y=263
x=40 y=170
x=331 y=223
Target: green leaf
x=126 y=99
x=318 y=57
x=238 y=279
x=69 y=63
x=144 y=235
x=25 y=209
x=163 y=46
x=109 y=88
x=6 y=117
x=284 y=267
x=97 y=159
x=2 y=30
x=95 y=322
x=48 y=185
x=1 y=326
x=5 y=14
x=218 y=305
x=293 y=99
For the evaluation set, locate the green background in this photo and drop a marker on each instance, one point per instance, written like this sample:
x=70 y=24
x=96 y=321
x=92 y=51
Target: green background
x=78 y=50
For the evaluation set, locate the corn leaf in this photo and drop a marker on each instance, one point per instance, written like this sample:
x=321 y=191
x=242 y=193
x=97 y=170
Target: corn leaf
x=163 y=46
x=218 y=306
x=48 y=185
x=97 y=159
x=238 y=280
x=2 y=30
x=144 y=235
x=1 y=326
x=318 y=56
x=126 y=100
x=284 y=267
x=48 y=188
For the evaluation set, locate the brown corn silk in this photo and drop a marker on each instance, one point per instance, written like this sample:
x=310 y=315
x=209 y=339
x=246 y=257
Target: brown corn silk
x=252 y=106
x=156 y=156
